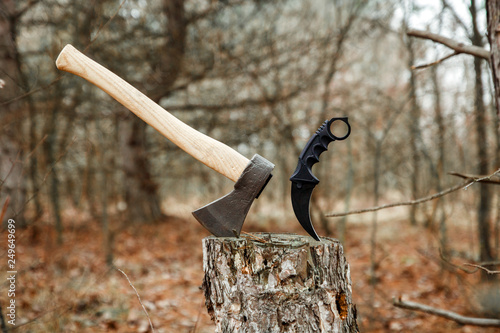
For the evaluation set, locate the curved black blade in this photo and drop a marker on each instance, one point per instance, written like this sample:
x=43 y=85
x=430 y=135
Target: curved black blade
x=303 y=180
x=301 y=196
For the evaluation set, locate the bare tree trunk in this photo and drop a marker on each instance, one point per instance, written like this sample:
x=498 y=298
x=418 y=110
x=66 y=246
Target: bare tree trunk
x=171 y=59
x=33 y=141
x=349 y=190
x=104 y=175
x=12 y=150
x=374 y=224
x=497 y=195
x=438 y=116
x=141 y=191
x=50 y=153
x=88 y=175
x=414 y=131
x=141 y=195
x=484 y=206
x=493 y=17
x=277 y=283
x=107 y=233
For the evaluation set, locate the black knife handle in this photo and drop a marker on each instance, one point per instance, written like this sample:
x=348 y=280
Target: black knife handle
x=316 y=145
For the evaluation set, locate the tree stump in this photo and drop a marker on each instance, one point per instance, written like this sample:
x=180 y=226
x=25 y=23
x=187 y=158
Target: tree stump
x=277 y=283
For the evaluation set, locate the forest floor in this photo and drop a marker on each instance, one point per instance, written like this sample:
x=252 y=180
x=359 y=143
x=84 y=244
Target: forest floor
x=69 y=288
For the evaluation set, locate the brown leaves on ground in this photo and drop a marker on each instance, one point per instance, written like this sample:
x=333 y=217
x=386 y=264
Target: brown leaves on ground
x=69 y=288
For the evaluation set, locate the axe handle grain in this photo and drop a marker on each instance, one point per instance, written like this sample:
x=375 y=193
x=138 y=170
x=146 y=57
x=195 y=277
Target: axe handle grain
x=210 y=152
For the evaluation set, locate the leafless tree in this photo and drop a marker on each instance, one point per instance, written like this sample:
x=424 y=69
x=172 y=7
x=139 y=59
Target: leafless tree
x=13 y=150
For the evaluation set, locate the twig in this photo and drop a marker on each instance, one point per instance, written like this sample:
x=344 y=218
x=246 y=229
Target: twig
x=483 y=268
x=482 y=179
x=22 y=11
x=4 y=208
x=452 y=44
x=42 y=140
x=253 y=237
x=406 y=203
x=2 y=181
x=58 y=78
x=469 y=271
x=446 y=260
x=138 y=297
x=103 y=26
x=435 y=62
x=484 y=322
x=46 y=176
x=465 y=185
x=202 y=307
x=31 y=91
x=485 y=178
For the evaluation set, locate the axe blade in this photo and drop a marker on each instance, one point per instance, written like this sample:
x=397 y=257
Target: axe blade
x=225 y=216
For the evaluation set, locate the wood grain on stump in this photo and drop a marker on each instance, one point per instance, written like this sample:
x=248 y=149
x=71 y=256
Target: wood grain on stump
x=277 y=283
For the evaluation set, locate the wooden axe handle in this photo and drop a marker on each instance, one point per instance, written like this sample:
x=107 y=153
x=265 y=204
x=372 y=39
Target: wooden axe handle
x=210 y=152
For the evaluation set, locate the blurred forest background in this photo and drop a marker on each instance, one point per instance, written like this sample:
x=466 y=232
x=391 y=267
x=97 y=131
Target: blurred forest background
x=260 y=76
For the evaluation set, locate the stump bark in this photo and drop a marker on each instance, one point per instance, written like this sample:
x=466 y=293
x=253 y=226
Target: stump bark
x=277 y=283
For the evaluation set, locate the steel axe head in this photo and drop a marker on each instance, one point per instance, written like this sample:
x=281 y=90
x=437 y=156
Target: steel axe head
x=225 y=216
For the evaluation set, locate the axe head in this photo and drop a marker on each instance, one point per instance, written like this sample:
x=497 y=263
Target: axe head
x=225 y=216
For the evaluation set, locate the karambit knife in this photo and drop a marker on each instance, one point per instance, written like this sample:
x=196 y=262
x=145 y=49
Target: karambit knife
x=225 y=216
x=303 y=180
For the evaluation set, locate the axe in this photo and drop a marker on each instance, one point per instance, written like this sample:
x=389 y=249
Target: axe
x=223 y=217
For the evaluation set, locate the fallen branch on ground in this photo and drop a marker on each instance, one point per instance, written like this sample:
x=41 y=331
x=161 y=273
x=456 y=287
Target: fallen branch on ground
x=463 y=320
x=139 y=298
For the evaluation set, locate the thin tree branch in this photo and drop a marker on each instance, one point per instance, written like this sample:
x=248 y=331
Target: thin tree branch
x=483 y=268
x=457 y=18
x=44 y=179
x=60 y=76
x=92 y=40
x=494 y=178
x=4 y=208
x=406 y=203
x=3 y=180
x=2 y=103
x=477 y=266
x=28 y=6
x=435 y=62
x=465 y=185
x=253 y=237
x=484 y=322
x=139 y=298
x=213 y=9
x=458 y=47
x=448 y=261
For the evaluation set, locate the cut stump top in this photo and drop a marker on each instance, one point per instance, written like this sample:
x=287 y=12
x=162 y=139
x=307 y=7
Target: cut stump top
x=279 y=281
